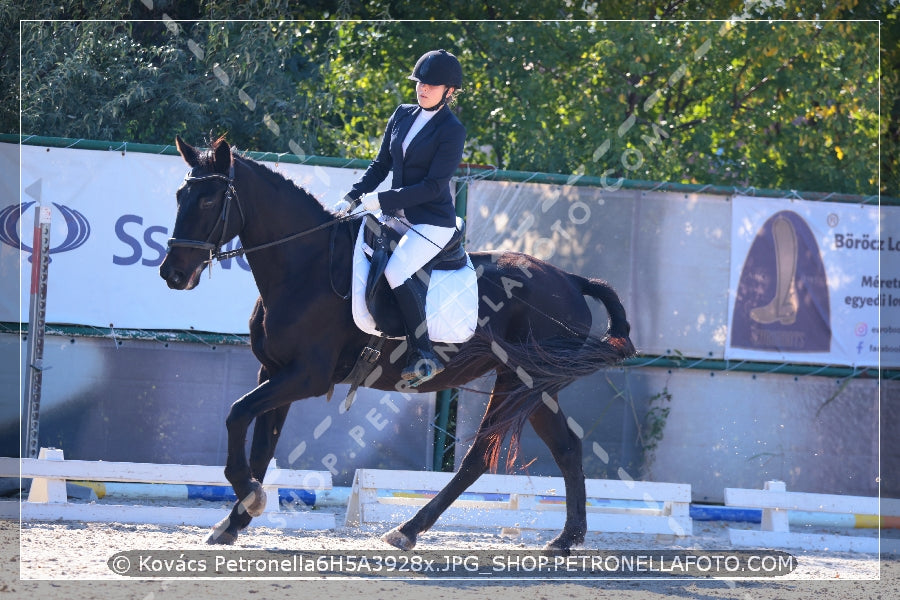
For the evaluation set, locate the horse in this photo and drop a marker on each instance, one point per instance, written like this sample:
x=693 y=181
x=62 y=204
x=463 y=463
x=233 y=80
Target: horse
x=534 y=333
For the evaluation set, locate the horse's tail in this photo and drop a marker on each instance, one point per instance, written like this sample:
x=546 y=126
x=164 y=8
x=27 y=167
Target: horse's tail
x=619 y=328
x=544 y=367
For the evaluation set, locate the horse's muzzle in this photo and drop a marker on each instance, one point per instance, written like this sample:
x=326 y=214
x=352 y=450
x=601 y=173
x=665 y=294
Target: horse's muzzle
x=177 y=279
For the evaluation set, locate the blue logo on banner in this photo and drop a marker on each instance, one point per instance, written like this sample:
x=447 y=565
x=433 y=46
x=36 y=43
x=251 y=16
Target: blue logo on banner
x=78 y=230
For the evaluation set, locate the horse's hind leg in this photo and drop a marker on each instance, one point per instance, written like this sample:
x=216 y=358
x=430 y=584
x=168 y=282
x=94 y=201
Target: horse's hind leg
x=473 y=465
x=553 y=429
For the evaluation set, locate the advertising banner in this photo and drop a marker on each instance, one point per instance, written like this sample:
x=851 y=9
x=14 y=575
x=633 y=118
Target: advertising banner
x=814 y=282
x=665 y=253
x=809 y=282
x=111 y=216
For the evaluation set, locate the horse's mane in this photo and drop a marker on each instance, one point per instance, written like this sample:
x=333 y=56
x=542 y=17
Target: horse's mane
x=278 y=180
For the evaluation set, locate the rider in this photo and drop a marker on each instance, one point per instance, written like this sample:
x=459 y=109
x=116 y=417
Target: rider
x=422 y=145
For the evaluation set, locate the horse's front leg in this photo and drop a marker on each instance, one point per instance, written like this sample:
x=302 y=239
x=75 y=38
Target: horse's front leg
x=266 y=433
x=267 y=430
x=267 y=403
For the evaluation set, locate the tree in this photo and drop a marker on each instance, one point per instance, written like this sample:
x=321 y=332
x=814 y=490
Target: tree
x=790 y=105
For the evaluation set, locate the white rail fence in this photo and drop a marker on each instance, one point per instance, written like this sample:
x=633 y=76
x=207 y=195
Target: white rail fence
x=47 y=499
x=775 y=532
x=515 y=502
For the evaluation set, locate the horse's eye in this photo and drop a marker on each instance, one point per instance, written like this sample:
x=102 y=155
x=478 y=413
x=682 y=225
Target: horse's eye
x=207 y=201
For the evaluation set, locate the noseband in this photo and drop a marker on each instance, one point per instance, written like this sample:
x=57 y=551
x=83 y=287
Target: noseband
x=230 y=194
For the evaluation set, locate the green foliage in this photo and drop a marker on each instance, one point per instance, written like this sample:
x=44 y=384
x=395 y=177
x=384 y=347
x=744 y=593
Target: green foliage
x=651 y=434
x=778 y=104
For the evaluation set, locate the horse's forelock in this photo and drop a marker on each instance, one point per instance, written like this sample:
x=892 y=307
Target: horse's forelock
x=218 y=152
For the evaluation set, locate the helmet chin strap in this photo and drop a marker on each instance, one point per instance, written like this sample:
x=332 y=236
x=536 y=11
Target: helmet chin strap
x=441 y=103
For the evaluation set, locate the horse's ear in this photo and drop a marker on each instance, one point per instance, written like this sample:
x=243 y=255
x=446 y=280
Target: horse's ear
x=222 y=155
x=187 y=152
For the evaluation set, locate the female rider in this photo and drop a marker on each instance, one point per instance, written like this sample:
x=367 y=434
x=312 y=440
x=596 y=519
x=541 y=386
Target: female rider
x=422 y=145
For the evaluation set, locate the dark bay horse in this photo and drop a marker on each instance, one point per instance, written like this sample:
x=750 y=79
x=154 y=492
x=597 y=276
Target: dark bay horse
x=534 y=332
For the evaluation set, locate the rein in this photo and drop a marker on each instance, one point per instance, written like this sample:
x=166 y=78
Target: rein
x=294 y=236
x=215 y=249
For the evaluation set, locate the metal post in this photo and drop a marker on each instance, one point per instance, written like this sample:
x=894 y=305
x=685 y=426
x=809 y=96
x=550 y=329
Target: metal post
x=462 y=197
x=40 y=261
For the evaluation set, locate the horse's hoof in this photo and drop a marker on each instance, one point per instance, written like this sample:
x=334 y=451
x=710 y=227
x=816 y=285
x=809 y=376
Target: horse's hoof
x=398 y=539
x=225 y=538
x=254 y=503
x=556 y=548
x=221 y=534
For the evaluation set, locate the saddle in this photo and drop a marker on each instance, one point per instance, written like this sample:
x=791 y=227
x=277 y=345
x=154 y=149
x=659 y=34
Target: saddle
x=382 y=240
x=451 y=286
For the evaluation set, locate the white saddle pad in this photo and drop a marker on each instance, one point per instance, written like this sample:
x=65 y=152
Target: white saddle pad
x=451 y=305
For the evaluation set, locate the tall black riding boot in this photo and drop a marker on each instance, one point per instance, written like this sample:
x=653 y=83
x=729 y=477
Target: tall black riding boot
x=424 y=363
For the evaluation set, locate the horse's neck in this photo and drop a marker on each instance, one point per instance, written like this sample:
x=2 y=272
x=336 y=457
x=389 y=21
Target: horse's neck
x=274 y=210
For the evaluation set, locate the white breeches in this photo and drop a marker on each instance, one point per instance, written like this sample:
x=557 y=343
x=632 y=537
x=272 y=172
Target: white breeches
x=419 y=244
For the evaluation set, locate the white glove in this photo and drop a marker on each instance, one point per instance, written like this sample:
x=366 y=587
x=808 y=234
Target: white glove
x=344 y=206
x=370 y=202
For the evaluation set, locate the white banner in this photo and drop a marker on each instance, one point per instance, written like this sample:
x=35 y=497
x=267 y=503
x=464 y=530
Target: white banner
x=814 y=282
x=811 y=282
x=112 y=214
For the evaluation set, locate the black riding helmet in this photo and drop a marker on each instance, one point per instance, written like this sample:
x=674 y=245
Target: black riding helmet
x=438 y=67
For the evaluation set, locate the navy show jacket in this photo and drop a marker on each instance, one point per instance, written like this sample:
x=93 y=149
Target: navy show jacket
x=421 y=178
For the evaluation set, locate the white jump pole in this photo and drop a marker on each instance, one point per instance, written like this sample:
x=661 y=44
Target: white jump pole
x=40 y=262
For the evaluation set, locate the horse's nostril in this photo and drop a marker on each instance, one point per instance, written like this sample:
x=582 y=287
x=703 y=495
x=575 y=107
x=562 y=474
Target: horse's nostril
x=173 y=277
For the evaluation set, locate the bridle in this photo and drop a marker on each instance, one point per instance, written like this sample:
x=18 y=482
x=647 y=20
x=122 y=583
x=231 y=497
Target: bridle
x=215 y=248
